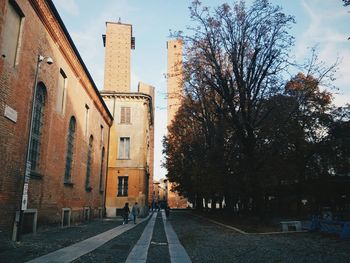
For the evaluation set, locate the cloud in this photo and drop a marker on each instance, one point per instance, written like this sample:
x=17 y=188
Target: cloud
x=68 y=6
x=341 y=99
x=325 y=31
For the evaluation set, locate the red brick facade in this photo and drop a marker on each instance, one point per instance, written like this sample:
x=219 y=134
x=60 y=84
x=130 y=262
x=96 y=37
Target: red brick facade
x=42 y=32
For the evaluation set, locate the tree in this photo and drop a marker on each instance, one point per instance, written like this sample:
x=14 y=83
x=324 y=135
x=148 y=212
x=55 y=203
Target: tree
x=243 y=130
x=346 y=2
x=240 y=53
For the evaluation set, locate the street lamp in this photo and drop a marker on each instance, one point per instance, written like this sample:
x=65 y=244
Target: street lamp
x=28 y=164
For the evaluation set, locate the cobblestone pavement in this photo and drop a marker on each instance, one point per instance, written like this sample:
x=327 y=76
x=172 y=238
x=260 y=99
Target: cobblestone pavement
x=118 y=249
x=206 y=242
x=51 y=239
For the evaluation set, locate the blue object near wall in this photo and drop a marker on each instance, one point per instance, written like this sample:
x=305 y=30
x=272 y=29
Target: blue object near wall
x=345 y=233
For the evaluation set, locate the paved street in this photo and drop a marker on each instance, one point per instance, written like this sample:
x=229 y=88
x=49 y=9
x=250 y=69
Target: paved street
x=182 y=238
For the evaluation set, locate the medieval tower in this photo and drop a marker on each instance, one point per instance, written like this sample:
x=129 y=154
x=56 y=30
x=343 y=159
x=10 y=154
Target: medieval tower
x=131 y=143
x=175 y=95
x=175 y=74
x=118 y=44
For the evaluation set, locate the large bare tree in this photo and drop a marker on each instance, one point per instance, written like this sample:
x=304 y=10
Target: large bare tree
x=240 y=53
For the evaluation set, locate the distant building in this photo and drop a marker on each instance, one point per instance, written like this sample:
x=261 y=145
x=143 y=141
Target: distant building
x=130 y=172
x=175 y=96
x=67 y=159
x=160 y=195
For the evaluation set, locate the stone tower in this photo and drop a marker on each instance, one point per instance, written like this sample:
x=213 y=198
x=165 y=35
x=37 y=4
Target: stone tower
x=175 y=77
x=118 y=42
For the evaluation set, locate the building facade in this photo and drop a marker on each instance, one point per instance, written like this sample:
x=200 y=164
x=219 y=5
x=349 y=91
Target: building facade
x=130 y=164
x=62 y=178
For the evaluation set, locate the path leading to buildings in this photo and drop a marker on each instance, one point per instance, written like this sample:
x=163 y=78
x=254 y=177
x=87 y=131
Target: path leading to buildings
x=154 y=244
x=70 y=253
x=140 y=250
x=177 y=252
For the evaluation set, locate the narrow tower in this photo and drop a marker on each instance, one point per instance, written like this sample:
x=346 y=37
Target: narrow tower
x=175 y=95
x=175 y=77
x=118 y=42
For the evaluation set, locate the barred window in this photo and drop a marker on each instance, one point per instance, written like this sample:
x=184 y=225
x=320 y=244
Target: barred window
x=101 y=169
x=123 y=186
x=125 y=115
x=38 y=118
x=88 y=165
x=124 y=148
x=70 y=148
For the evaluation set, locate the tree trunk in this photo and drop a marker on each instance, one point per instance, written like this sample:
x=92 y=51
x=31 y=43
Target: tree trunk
x=199 y=202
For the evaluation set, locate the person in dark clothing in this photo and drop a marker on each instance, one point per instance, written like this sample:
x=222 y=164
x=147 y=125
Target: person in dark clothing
x=126 y=212
x=167 y=211
x=135 y=211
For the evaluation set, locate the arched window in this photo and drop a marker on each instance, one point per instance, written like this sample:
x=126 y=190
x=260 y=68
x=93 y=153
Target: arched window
x=38 y=119
x=70 y=149
x=88 y=165
x=101 y=169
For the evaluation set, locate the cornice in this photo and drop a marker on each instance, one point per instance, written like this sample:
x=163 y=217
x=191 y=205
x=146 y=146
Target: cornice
x=55 y=27
x=132 y=96
x=129 y=95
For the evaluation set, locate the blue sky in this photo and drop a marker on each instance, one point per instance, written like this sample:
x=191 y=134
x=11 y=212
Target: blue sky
x=322 y=22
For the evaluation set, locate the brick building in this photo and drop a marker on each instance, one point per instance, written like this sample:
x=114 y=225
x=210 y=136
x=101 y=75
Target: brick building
x=69 y=142
x=131 y=154
x=175 y=96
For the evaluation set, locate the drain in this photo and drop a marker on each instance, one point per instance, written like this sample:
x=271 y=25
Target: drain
x=159 y=243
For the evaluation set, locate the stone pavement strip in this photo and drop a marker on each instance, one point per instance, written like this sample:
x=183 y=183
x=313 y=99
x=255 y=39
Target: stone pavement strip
x=177 y=252
x=70 y=253
x=140 y=250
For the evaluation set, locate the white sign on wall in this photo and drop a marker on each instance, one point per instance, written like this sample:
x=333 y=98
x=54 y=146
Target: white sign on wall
x=24 y=202
x=10 y=113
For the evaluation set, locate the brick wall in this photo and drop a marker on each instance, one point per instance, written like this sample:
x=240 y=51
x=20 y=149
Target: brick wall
x=47 y=192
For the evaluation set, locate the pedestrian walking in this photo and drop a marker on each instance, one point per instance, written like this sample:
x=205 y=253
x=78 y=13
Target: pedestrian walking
x=135 y=211
x=126 y=212
x=167 y=211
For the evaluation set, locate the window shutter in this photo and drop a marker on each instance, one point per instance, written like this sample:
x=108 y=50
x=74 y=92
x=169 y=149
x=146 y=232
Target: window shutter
x=122 y=115
x=127 y=148
x=127 y=117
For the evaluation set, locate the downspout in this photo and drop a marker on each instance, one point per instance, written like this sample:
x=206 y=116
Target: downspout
x=107 y=163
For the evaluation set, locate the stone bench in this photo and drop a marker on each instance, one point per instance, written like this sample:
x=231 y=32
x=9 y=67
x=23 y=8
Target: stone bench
x=291 y=226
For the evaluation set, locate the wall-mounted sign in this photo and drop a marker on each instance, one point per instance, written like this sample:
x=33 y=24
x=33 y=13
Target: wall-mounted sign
x=24 y=202
x=10 y=113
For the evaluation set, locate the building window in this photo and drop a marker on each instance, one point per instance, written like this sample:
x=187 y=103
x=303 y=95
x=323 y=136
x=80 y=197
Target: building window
x=61 y=91
x=86 y=119
x=124 y=148
x=101 y=169
x=38 y=119
x=123 y=186
x=12 y=33
x=125 y=115
x=88 y=165
x=70 y=149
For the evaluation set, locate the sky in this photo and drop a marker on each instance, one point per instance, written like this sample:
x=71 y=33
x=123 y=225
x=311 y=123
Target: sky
x=324 y=23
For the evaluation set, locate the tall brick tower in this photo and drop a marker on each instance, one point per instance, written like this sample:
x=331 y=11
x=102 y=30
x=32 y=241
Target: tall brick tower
x=175 y=95
x=175 y=77
x=118 y=42
x=131 y=142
